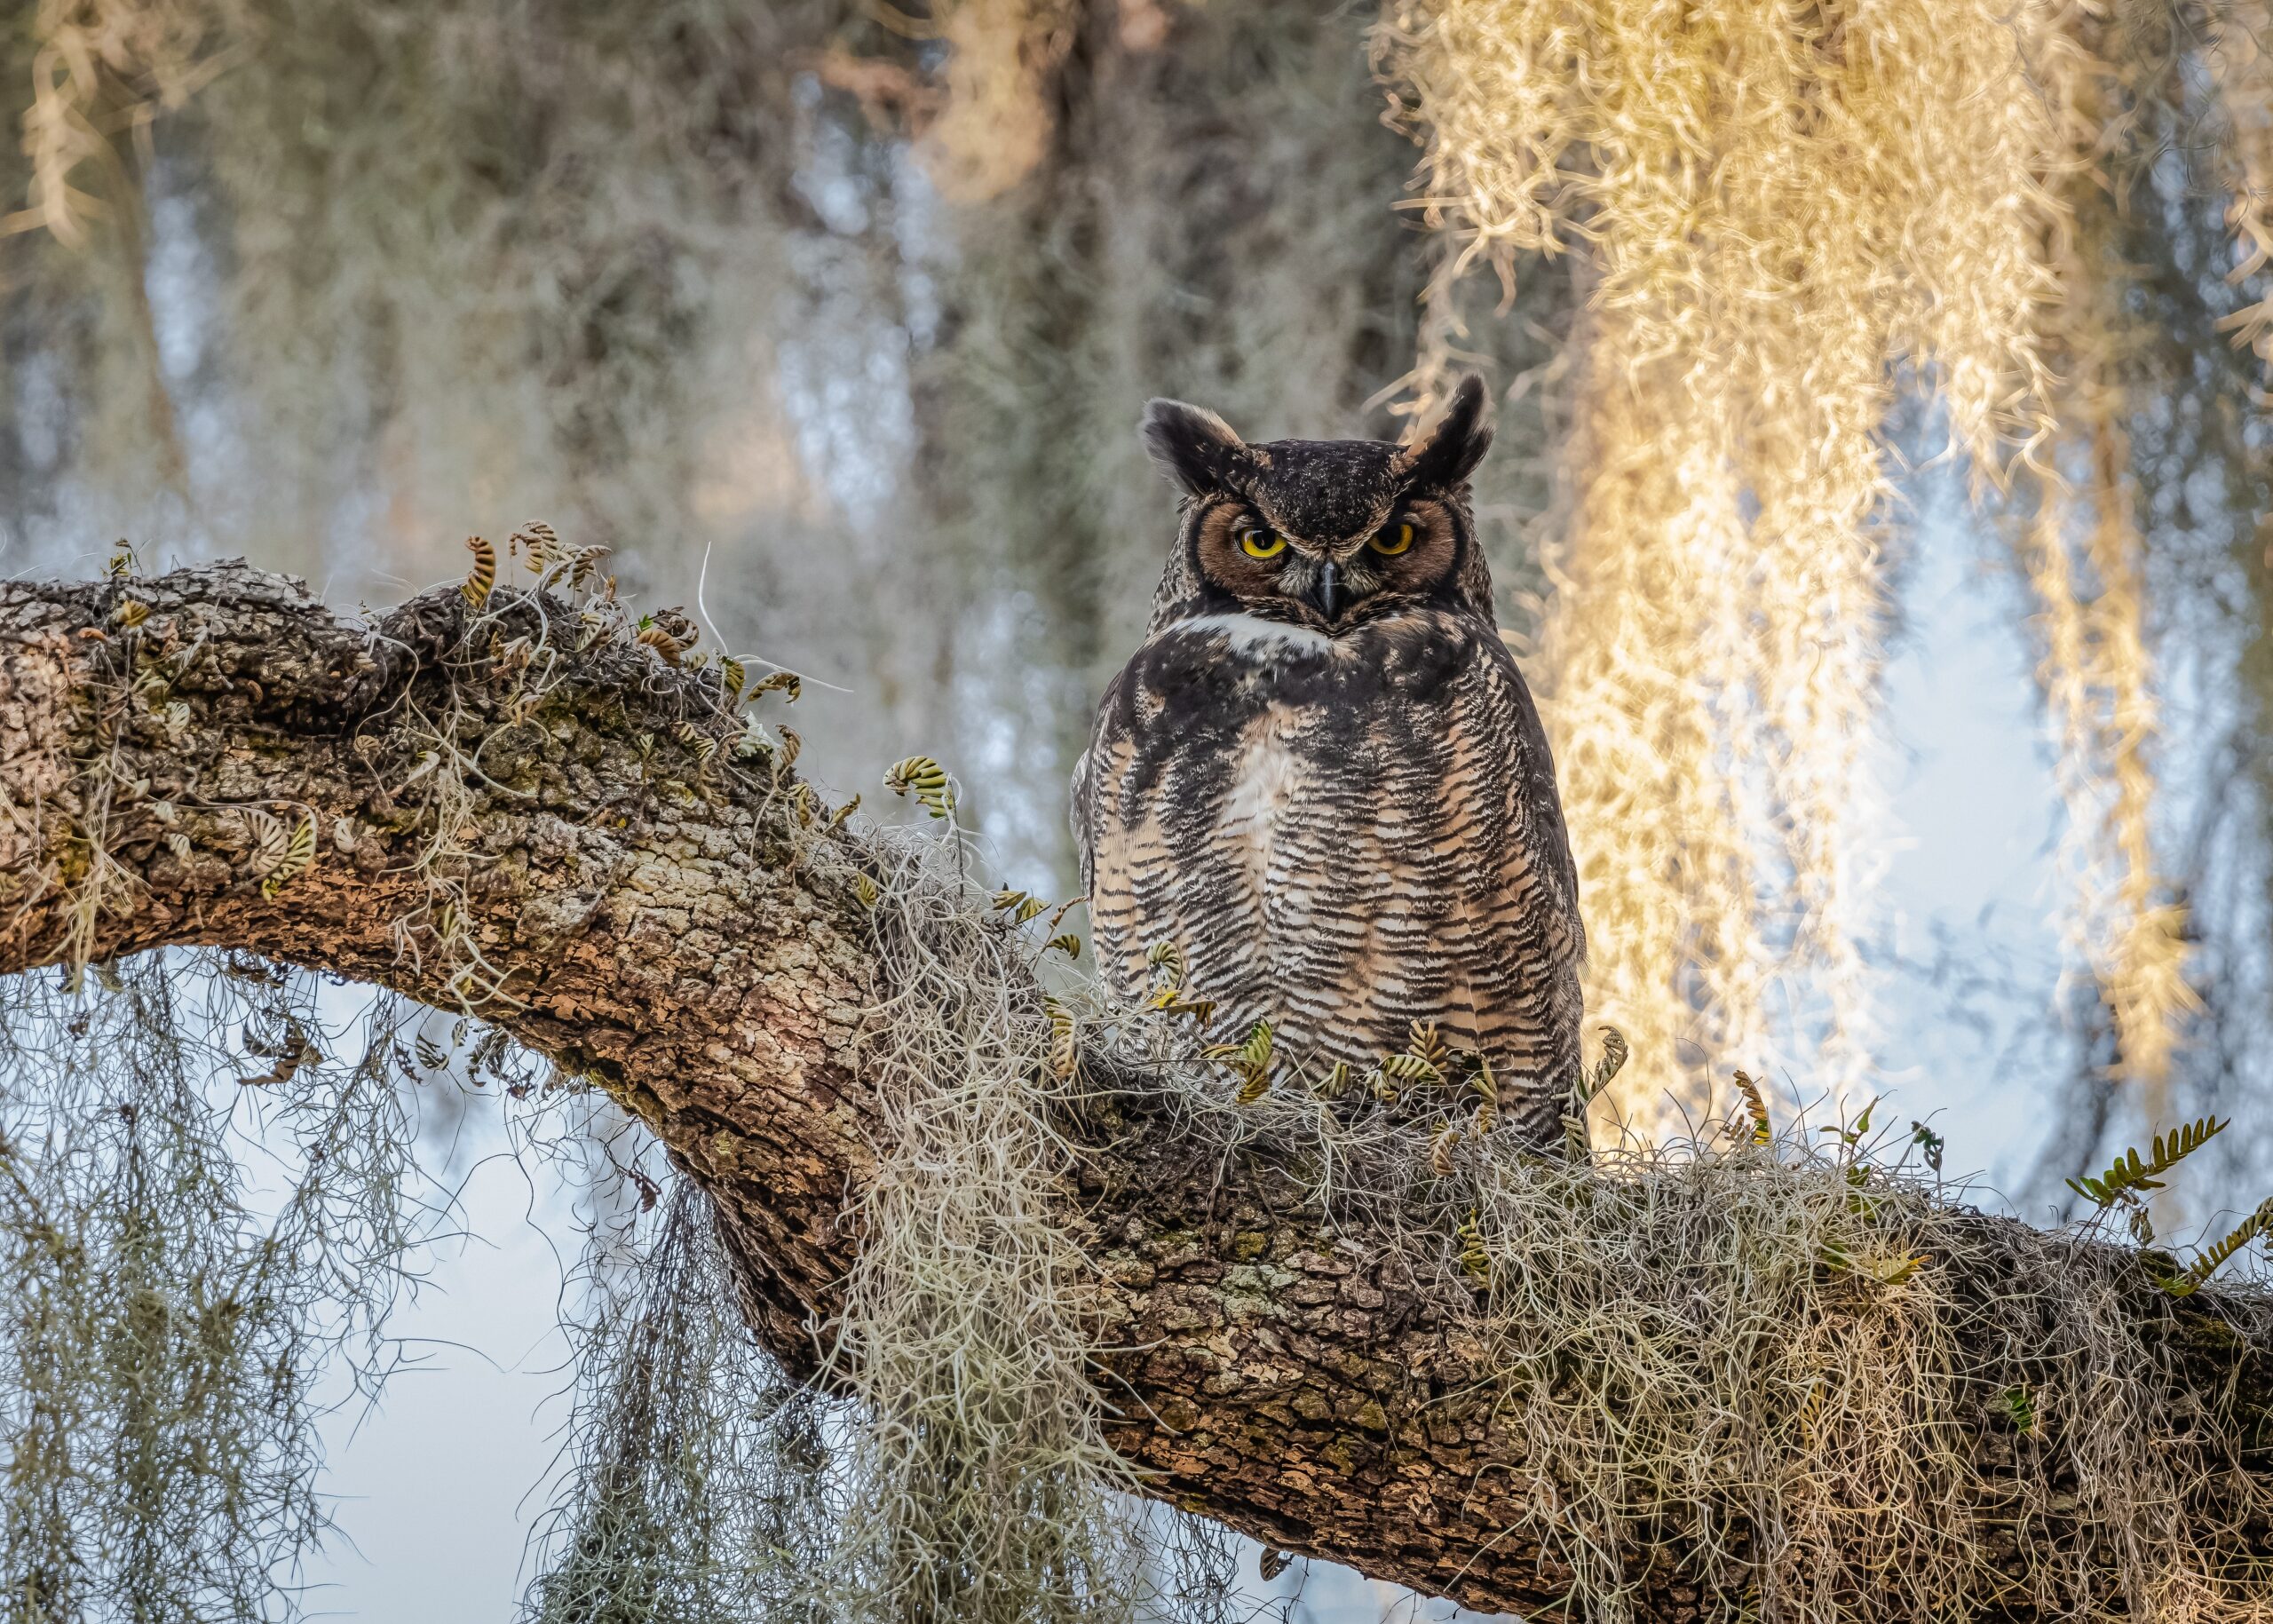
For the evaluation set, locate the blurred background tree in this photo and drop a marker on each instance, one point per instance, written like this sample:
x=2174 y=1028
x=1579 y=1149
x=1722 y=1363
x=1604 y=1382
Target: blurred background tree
x=836 y=317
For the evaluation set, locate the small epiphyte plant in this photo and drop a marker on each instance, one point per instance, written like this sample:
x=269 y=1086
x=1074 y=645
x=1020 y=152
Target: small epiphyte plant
x=2124 y=1182
x=1065 y=1039
x=1763 y=1131
x=1930 y=1144
x=1587 y=1085
x=1025 y=908
x=1170 y=995
x=483 y=576
x=926 y=780
x=1250 y=1059
x=1019 y=905
x=2191 y=1278
x=2130 y=1176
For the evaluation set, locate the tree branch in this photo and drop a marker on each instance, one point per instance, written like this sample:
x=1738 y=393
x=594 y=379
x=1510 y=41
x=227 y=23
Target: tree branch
x=508 y=821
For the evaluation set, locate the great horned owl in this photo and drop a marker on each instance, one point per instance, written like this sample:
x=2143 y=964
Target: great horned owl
x=1321 y=776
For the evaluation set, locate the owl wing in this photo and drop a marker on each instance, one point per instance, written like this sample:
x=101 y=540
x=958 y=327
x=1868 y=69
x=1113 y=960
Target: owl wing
x=1550 y=839
x=1080 y=809
x=1077 y=814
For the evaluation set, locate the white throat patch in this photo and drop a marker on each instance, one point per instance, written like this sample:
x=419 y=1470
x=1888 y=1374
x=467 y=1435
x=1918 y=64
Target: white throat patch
x=1251 y=634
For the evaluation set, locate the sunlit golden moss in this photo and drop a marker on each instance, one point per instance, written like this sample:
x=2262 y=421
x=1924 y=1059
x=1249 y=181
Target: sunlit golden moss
x=2234 y=50
x=994 y=123
x=1785 y=213
x=100 y=70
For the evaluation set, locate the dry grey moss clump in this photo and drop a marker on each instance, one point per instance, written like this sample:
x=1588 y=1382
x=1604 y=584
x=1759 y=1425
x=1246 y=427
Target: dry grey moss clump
x=960 y=1471
x=978 y=1483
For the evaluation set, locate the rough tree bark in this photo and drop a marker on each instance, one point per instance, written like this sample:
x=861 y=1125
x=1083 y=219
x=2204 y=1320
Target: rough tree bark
x=647 y=926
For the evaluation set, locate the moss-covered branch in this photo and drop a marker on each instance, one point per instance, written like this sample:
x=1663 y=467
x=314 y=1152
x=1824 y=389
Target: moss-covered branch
x=1583 y=1396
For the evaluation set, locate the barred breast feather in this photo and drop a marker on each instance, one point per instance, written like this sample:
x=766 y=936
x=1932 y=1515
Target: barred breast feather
x=1344 y=834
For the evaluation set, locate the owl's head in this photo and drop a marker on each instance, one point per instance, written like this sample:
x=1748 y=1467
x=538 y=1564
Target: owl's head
x=1327 y=534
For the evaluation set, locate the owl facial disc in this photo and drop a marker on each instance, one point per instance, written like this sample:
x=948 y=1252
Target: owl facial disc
x=1327 y=534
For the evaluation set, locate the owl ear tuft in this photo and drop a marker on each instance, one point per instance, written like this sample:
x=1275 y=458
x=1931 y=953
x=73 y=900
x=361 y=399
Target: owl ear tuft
x=1448 y=452
x=1193 y=446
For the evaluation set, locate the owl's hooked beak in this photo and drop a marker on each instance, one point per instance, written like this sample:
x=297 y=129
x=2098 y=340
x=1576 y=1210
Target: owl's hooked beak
x=1326 y=594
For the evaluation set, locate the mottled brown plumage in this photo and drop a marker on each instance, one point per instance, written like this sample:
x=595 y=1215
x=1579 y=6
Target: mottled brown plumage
x=1321 y=775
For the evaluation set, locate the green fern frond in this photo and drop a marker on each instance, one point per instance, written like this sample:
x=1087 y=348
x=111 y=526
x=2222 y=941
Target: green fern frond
x=1171 y=1000
x=1591 y=1083
x=1064 y=1052
x=1166 y=958
x=2129 y=1175
x=1250 y=1059
x=1763 y=1130
x=1018 y=905
x=1473 y=1258
x=1410 y=1069
x=926 y=780
x=2199 y=1273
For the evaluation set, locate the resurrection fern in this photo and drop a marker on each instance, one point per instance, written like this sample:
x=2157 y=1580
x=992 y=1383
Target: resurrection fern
x=1172 y=1000
x=2197 y=1273
x=1475 y=1261
x=926 y=780
x=1065 y=1054
x=1588 y=1086
x=1166 y=961
x=299 y=853
x=1019 y=905
x=1614 y=1052
x=1250 y=1057
x=1486 y=1088
x=484 y=575
x=2127 y=1176
x=1763 y=1130
x=1410 y=1069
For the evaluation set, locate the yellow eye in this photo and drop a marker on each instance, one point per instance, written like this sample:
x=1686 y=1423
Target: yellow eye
x=1261 y=543
x=1393 y=540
